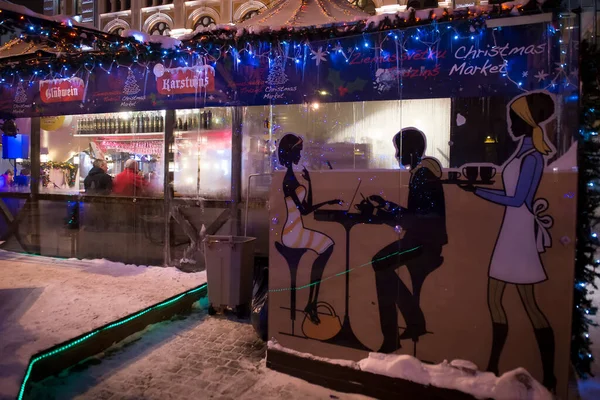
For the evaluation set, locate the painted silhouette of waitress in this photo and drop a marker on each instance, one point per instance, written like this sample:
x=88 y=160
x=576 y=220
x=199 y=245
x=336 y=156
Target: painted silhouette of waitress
x=524 y=231
x=299 y=202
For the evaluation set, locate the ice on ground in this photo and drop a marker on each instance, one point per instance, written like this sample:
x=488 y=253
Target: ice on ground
x=460 y=375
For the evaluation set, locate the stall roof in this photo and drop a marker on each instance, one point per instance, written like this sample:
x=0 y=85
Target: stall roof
x=299 y=13
x=29 y=34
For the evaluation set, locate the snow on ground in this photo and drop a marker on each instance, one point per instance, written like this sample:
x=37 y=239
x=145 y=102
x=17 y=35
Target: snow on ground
x=589 y=389
x=458 y=375
x=45 y=301
x=193 y=358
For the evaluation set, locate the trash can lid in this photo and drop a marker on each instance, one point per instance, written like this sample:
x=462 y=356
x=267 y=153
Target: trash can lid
x=228 y=239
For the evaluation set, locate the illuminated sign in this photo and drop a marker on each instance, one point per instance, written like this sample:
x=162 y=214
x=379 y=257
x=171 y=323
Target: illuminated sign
x=62 y=90
x=189 y=80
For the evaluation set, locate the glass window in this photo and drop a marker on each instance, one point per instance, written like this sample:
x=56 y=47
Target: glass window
x=338 y=136
x=127 y=146
x=117 y=31
x=15 y=166
x=249 y=15
x=205 y=21
x=202 y=153
x=160 y=29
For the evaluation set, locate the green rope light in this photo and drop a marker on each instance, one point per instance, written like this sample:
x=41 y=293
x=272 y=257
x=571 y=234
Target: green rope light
x=171 y=301
x=347 y=272
x=97 y=331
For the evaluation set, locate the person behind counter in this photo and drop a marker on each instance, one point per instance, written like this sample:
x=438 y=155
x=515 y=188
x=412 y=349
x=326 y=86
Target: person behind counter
x=129 y=182
x=8 y=178
x=98 y=182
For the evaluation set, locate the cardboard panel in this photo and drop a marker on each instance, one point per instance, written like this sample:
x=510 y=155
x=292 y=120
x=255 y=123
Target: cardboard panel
x=454 y=290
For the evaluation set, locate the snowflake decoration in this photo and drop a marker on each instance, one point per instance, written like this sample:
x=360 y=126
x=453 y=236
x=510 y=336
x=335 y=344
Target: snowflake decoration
x=349 y=49
x=81 y=105
x=319 y=55
x=540 y=76
x=338 y=48
x=524 y=74
x=211 y=97
x=575 y=72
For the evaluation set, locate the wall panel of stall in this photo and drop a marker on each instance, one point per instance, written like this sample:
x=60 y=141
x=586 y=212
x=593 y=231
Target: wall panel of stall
x=476 y=215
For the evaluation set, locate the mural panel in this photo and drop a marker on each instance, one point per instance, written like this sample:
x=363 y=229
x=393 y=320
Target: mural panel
x=473 y=263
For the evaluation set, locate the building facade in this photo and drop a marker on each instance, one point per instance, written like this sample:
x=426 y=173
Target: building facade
x=176 y=17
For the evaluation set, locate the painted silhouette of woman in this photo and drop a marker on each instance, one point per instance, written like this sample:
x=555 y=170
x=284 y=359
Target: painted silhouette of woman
x=523 y=234
x=298 y=202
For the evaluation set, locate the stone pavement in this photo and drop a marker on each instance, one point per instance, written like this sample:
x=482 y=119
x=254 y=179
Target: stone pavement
x=194 y=357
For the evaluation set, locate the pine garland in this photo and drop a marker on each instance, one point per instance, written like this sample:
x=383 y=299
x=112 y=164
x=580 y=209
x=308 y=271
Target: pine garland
x=69 y=168
x=588 y=203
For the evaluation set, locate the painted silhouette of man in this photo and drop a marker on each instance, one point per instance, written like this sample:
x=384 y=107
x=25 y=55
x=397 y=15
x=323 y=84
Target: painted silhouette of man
x=424 y=221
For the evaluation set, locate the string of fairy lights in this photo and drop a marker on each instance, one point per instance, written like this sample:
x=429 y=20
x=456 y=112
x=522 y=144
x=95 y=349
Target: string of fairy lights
x=110 y=50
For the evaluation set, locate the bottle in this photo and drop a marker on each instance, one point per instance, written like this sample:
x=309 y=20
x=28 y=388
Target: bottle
x=128 y=126
x=161 y=123
x=136 y=125
x=179 y=124
x=153 y=126
x=209 y=120
x=202 y=120
x=185 y=122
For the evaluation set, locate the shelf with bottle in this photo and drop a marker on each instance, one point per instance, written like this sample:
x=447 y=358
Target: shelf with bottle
x=121 y=124
x=200 y=120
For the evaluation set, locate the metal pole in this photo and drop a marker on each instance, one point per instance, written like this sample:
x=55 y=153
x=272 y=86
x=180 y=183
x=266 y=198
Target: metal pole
x=237 y=119
x=168 y=158
x=35 y=182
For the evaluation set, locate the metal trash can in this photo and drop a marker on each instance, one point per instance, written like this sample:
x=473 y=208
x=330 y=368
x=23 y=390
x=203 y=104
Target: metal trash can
x=229 y=270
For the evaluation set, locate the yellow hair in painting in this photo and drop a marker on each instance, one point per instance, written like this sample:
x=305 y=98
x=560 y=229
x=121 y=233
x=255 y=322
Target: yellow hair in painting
x=521 y=108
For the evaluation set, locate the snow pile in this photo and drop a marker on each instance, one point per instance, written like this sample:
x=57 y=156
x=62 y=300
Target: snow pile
x=165 y=42
x=273 y=345
x=457 y=375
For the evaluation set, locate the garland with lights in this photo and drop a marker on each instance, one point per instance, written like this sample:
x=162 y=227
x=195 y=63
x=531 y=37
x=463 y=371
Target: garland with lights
x=588 y=204
x=108 y=49
x=68 y=168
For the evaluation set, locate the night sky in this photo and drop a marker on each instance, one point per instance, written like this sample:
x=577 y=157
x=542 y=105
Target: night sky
x=35 y=5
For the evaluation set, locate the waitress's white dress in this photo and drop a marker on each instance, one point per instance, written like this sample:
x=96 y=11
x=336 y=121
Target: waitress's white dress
x=523 y=235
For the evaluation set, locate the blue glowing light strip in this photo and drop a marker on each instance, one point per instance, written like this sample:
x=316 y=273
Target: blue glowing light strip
x=102 y=329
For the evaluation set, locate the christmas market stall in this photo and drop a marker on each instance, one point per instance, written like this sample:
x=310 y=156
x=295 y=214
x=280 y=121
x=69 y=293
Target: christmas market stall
x=423 y=162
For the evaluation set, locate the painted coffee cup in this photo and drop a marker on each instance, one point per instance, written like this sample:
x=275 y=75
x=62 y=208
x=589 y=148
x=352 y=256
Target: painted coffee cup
x=471 y=173
x=487 y=173
x=454 y=175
